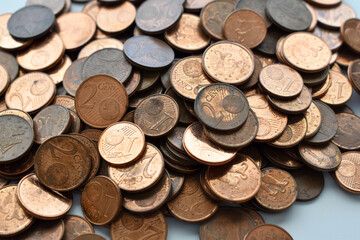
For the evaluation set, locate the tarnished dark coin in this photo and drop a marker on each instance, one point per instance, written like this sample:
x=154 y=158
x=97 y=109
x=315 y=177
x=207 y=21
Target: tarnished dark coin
x=310 y=183
x=283 y=158
x=149 y=200
x=157 y=115
x=51 y=230
x=177 y=183
x=133 y=226
x=257 y=6
x=175 y=138
x=9 y=62
x=31 y=22
x=7 y=42
x=73 y=76
x=136 y=99
x=313 y=119
x=221 y=107
x=335 y=16
x=347 y=135
x=156 y=16
x=328 y=127
x=350 y=33
x=62 y=163
x=331 y=37
x=166 y=74
x=267 y=231
x=354 y=74
x=326 y=157
x=17 y=137
x=337 y=110
x=290 y=15
x=148 y=80
x=101 y=200
x=268 y=46
x=346 y=56
x=340 y=90
x=55 y=5
x=51 y=121
x=315 y=79
x=76 y=226
x=108 y=61
x=99 y=44
x=148 y=52
x=89 y=236
x=254 y=79
x=347 y=173
x=185 y=116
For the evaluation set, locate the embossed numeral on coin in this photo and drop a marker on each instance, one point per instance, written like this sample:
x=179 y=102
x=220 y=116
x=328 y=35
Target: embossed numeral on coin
x=19 y=96
x=61 y=150
x=146 y=168
x=86 y=104
x=213 y=113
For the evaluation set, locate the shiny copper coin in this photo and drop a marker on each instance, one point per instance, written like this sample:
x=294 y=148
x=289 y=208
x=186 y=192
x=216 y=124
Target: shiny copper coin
x=137 y=98
x=122 y=143
x=75 y=29
x=148 y=80
x=65 y=101
x=347 y=135
x=331 y=37
x=306 y=52
x=51 y=121
x=157 y=115
x=246 y=27
x=271 y=122
x=320 y=91
x=149 y=200
x=101 y=200
x=334 y=17
x=202 y=150
x=41 y=202
x=62 y=163
x=58 y=73
x=99 y=44
x=185 y=115
x=328 y=127
x=269 y=231
x=192 y=204
x=132 y=226
x=213 y=15
x=321 y=158
x=141 y=175
x=92 y=8
x=89 y=236
x=228 y=62
x=4 y=80
x=72 y=77
x=42 y=55
x=284 y=158
x=242 y=175
x=7 y=42
x=2 y=104
x=278 y=190
x=310 y=183
x=354 y=75
x=350 y=33
x=340 y=90
x=51 y=230
x=313 y=119
x=100 y=101
x=347 y=173
x=187 y=35
x=76 y=226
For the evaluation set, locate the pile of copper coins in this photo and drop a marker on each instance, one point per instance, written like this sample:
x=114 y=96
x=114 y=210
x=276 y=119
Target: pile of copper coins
x=169 y=108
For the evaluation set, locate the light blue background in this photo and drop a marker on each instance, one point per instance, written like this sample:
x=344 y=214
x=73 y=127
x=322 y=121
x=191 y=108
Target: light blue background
x=335 y=215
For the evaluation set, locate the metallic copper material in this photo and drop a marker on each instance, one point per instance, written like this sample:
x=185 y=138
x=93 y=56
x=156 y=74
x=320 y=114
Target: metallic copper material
x=313 y=119
x=148 y=80
x=347 y=172
x=320 y=91
x=268 y=231
x=75 y=122
x=284 y=158
x=136 y=99
x=310 y=183
x=76 y=226
x=57 y=73
x=90 y=236
x=99 y=44
x=177 y=183
x=56 y=6
x=354 y=75
x=340 y=90
x=66 y=101
x=7 y=42
x=19 y=113
x=186 y=117
x=335 y=16
x=346 y=56
x=72 y=77
x=41 y=230
x=8 y=61
x=331 y=37
x=347 y=135
x=349 y=32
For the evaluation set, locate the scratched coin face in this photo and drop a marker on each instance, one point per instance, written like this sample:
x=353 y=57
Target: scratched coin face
x=347 y=135
x=142 y=174
x=101 y=100
x=76 y=226
x=101 y=200
x=228 y=62
x=278 y=189
x=122 y=143
x=347 y=174
x=40 y=201
x=133 y=226
x=340 y=90
x=313 y=119
x=13 y=218
x=310 y=183
x=17 y=137
x=7 y=42
x=99 y=44
x=268 y=231
x=157 y=115
x=192 y=204
x=62 y=163
x=334 y=17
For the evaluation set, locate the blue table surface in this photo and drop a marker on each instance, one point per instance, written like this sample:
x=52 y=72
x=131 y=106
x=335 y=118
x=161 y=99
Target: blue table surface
x=332 y=216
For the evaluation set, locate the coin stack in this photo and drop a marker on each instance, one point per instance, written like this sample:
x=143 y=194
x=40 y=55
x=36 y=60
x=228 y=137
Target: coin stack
x=170 y=107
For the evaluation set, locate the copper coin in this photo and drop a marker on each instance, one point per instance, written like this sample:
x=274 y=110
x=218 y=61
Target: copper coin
x=101 y=200
x=320 y=90
x=133 y=83
x=62 y=163
x=194 y=6
x=3 y=182
x=4 y=80
x=175 y=138
x=141 y=175
x=239 y=138
x=58 y=73
x=228 y=223
x=257 y=6
x=42 y=55
x=152 y=17
x=267 y=231
x=242 y=175
x=2 y=104
x=192 y=204
x=89 y=236
x=271 y=122
x=347 y=172
x=325 y=3
x=313 y=15
x=31 y=22
x=228 y=100
x=178 y=157
x=228 y=62
x=268 y=46
x=99 y=44
x=72 y=77
x=100 y=101
x=17 y=137
x=188 y=78
x=310 y=183
x=51 y=121
x=335 y=16
x=213 y=15
x=41 y=202
x=132 y=226
x=254 y=79
x=347 y=136
x=354 y=74
x=321 y=158
x=51 y=230
x=92 y=134
x=185 y=116
x=7 y=42
x=331 y=37
x=187 y=35
x=137 y=98
x=313 y=119
x=346 y=56
x=336 y=67
x=340 y=90
x=166 y=74
x=76 y=226
x=278 y=190
x=129 y=117
x=75 y=29
x=177 y=183
x=75 y=122
x=315 y=79
x=149 y=200
x=8 y=61
x=157 y=115
x=148 y=52
x=92 y=8
x=19 y=167
x=328 y=127
x=342 y=109
x=148 y=80
x=284 y=158
x=122 y=143
x=56 y=6
x=65 y=101
x=349 y=32
x=254 y=154
x=246 y=27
